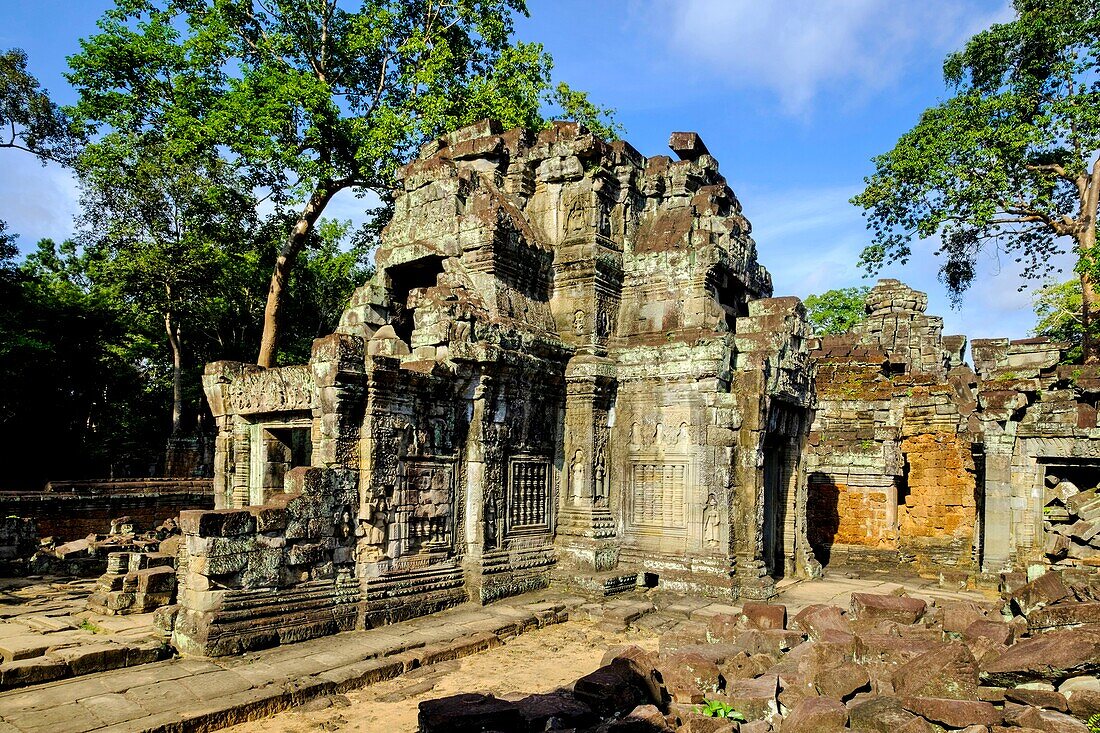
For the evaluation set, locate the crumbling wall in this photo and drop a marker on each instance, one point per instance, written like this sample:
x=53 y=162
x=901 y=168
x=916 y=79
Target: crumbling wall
x=890 y=473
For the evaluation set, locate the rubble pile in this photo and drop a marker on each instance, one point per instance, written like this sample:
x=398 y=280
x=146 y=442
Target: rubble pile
x=886 y=664
x=1071 y=518
x=89 y=557
x=18 y=541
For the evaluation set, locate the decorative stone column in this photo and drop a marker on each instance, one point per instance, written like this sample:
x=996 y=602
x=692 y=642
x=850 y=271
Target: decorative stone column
x=585 y=521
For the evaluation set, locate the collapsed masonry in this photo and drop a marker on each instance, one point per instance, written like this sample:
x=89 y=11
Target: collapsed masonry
x=915 y=457
x=569 y=364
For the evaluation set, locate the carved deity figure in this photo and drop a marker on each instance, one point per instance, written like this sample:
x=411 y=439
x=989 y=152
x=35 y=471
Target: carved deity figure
x=492 y=530
x=600 y=481
x=577 y=479
x=579 y=322
x=711 y=528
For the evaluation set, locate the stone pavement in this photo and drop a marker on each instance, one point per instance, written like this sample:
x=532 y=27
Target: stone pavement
x=199 y=694
x=47 y=633
x=206 y=694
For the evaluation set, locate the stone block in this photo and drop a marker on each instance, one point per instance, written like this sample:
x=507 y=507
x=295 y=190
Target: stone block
x=755 y=699
x=1052 y=656
x=217 y=522
x=875 y=607
x=952 y=713
x=764 y=616
x=816 y=715
x=690 y=677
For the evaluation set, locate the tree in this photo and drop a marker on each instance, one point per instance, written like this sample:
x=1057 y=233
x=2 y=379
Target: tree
x=155 y=216
x=29 y=121
x=311 y=98
x=836 y=311
x=1009 y=162
x=1057 y=308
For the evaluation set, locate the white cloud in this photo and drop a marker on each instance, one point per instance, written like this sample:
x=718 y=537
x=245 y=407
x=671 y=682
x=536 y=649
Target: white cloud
x=799 y=48
x=36 y=201
x=810 y=240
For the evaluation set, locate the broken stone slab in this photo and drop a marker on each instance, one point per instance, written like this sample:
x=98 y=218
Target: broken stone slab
x=755 y=699
x=877 y=607
x=952 y=713
x=1064 y=614
x=957 y=616
x=1047 y=699
x=764 y=616
x=816 y=715
x=1052 y=656
x=687 y=145
x=947 y=670
x=468 y=713
x=1048 y=588
x=1084 y=703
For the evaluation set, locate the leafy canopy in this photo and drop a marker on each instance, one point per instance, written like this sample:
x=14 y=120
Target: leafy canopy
x=1057 y=307
x=836 y=311
x=1008 y=161
x=29 y=121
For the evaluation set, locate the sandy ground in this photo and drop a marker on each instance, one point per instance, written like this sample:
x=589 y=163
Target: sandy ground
x=538 y=661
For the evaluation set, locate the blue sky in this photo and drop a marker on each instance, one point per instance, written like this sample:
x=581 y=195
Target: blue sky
x=793 y=98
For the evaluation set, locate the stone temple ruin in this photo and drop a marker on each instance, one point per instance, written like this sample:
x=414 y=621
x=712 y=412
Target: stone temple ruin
x=569 y=367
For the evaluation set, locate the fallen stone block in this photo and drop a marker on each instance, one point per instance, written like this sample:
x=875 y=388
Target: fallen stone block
x=468 y=713
x=948 y=670
x=613 y=688
x=764 y=616
x=877 y=607
x=1084 y=703
x=952 y=713
x=842 y=682
x=1048 y=588
x=1064 y=614
x=690 y=677
x=957 y=616
x=816 y=715
x=642 y=719
x=1052 y=656
x=755 y=699
x=554 y=711
x=31 y=672
x=1047 y=699
x=996 y=631
x=883 y=714
x=818 y=619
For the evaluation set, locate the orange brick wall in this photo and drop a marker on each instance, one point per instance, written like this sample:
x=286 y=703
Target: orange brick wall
x=851 y=516
x=941 y=487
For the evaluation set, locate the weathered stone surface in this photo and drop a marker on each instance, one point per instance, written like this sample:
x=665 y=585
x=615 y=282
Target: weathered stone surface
x=1052 y=656
x=764 y=616
x=468 y=712
x=1038 y=698
x=873 y=607
x=690 y=677
x=816 y=715
x=948 y=671
x=755 y=699
x=952 y=713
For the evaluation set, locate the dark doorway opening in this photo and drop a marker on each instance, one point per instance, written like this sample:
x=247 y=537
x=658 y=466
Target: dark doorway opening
x=405 y=280
x=775 y=509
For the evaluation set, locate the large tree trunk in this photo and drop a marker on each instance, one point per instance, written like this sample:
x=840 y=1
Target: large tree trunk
x=177 y=371
x=284 y=264
x=1086 y=250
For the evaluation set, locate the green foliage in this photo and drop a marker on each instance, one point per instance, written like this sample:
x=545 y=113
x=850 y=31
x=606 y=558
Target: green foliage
x=575 y=105
x=1094 y=723
x=1008 y=161
x=1057 y=308
x=836 y=311
x=303 y=100
x=29 y=121
x=719 y=709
